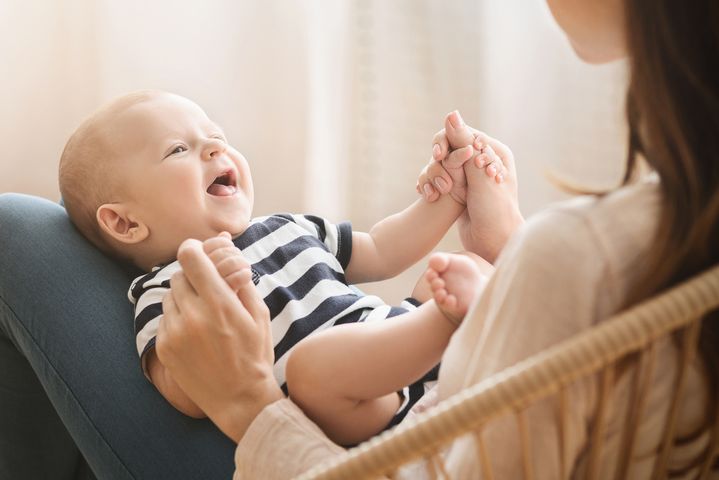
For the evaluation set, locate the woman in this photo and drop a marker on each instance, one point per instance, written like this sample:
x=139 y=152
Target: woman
x=564 y=271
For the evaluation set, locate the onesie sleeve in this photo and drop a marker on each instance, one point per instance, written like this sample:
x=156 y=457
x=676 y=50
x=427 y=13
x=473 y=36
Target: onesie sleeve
x=146 y=294
x=336 y=237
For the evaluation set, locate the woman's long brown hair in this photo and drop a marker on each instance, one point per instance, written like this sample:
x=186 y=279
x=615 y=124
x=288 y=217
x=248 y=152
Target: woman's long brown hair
x=673 y=113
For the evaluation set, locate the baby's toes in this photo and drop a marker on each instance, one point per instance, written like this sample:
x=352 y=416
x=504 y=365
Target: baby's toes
x=430 y=274
x=440 y=296
x=449 y=303
x=437 y=284
x=439 y=262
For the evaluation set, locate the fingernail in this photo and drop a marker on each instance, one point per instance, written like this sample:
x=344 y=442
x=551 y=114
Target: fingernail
x=456 y=119
x=436 y=151
x=441 y=184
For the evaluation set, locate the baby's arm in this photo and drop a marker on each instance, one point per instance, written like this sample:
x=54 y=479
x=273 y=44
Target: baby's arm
x=399 y=241
x=169 y=389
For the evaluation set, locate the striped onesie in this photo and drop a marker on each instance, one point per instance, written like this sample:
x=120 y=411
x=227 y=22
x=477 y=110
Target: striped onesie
x=298 y=264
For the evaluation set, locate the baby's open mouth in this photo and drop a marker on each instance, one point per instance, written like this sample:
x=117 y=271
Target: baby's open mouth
x=224 y=184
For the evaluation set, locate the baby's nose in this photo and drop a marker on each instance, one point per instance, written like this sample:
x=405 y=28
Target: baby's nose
x=213 y=148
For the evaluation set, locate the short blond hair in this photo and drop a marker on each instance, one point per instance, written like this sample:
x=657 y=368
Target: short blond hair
x=89 y=165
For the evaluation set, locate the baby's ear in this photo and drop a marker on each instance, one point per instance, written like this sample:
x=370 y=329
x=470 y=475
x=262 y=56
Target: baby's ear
x=115 y=220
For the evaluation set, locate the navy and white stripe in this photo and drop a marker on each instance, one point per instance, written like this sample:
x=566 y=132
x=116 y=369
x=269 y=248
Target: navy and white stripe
x=298 y=264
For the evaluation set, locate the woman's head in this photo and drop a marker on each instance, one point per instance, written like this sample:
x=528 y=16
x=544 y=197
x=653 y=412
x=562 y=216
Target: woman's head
x=672 y=110
x=673 y=116
x=673 y=113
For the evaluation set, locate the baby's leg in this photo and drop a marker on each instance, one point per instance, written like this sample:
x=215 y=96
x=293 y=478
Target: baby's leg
x=345 y=378
x=455 y=280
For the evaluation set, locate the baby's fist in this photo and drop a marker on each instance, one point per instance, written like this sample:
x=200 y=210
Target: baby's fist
x=228 y=261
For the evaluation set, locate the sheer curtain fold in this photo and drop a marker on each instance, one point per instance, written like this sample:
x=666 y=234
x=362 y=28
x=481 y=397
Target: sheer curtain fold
x=334 y=103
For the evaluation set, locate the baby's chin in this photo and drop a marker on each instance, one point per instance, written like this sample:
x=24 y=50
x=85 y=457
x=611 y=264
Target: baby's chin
x=237 y=229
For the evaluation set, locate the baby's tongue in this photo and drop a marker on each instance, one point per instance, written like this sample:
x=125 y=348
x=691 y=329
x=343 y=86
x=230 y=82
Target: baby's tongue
x=221 y=190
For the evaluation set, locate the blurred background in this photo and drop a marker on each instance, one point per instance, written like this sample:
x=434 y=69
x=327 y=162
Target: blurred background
x=333 y=102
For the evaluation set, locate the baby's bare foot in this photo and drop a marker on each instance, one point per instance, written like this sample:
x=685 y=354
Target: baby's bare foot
x=455 y=281
x=492 y=213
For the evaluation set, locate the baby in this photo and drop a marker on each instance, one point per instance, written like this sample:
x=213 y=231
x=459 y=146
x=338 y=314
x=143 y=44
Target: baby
x=150 y=170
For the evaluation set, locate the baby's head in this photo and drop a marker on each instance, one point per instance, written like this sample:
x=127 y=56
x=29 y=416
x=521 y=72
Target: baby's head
x=150 y=170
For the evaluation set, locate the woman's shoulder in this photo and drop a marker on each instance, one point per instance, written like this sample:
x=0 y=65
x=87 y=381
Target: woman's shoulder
x=593 y=244
x=623 y=220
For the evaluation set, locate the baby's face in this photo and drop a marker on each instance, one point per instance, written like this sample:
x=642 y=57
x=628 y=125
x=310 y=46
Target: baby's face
x=179 y=174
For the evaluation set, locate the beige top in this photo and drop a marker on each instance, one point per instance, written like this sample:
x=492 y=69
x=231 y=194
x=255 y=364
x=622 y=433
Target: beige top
x=565 y=270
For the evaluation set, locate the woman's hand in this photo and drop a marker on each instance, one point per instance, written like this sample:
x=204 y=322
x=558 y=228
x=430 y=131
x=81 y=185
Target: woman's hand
x=487 y=184
x=216 y=343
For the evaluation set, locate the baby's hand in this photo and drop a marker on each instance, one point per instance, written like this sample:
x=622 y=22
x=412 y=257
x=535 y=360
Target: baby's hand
x=228 y=260
x=453 y=146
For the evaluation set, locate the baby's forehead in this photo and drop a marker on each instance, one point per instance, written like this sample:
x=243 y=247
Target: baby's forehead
x=158 y=116
x=167 y=109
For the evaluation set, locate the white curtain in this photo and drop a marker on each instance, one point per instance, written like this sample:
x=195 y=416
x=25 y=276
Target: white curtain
x=334 y=103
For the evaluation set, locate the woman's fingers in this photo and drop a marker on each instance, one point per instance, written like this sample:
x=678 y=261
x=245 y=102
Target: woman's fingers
x=182 y=293
x=167 y=327
x=169 y=310
x=253 y=303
